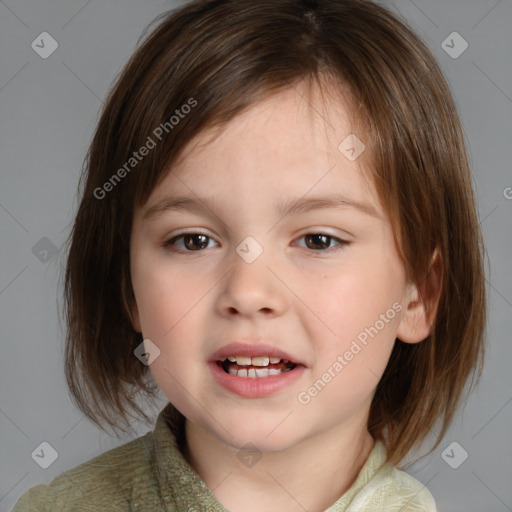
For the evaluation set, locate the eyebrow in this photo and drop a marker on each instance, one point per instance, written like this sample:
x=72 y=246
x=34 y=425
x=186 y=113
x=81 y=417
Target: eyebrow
x=294 y=206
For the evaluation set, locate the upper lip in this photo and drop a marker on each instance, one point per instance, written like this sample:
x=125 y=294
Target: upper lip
x=251 y=350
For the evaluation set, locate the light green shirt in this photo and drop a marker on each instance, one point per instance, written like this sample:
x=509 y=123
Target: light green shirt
x=150 y=474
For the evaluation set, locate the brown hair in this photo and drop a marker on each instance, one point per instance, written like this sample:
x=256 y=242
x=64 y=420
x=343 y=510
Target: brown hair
x=222 y=56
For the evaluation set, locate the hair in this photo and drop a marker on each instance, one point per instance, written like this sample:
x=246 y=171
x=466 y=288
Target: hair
x=221 y=57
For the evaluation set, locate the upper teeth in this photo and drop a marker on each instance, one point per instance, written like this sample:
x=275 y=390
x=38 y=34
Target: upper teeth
x=254 y=361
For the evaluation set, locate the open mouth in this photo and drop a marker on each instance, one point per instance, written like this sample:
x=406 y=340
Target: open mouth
x=255 y=370
x=255 y=367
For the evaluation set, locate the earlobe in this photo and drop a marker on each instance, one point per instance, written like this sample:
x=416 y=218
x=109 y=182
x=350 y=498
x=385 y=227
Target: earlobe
x=420 y=309
x=413 y=326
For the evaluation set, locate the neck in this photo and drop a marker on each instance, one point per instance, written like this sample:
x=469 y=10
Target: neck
x=311 y=475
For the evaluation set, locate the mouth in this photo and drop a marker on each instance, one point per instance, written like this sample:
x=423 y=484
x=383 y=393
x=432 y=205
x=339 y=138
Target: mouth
x=255 y=367
x=254 y=370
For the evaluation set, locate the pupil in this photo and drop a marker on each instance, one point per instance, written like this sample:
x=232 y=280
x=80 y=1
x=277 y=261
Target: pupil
x=318 y=240
x=192 y=241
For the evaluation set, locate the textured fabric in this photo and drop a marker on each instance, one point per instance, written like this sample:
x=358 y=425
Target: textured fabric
x=150 y=474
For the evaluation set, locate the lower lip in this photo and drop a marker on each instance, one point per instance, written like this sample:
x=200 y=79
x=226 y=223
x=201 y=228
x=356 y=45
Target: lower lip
x=258 y=387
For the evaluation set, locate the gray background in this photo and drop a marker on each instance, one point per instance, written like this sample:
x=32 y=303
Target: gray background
x=49 y=108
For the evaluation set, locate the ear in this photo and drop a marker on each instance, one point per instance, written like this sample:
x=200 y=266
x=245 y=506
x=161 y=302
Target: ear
x=135 y=317
x=421 y=304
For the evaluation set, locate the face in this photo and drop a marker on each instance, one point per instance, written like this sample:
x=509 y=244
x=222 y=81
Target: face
x=265 y=271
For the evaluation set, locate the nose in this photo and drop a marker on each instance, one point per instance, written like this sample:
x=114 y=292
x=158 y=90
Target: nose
x=252 y=290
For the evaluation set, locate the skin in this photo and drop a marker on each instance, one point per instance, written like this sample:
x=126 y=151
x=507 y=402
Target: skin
x=311 y=303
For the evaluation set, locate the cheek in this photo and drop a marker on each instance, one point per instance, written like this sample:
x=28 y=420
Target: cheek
x=358 y=305
x=355 y=296
x=170 y=303
x=364 y=313
x=165 y=294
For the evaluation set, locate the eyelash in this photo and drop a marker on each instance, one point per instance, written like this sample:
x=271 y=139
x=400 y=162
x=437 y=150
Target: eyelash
x=169 y=244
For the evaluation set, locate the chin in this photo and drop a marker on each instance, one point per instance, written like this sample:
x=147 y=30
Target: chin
x=270 y=434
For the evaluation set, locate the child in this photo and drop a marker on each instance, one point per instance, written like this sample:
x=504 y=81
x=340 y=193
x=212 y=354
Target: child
x=278 y=227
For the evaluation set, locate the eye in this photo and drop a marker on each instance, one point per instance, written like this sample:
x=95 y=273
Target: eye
x=189 y=242
x=321 y=241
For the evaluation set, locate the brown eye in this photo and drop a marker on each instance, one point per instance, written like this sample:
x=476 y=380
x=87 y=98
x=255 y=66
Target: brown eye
x=317 y=241
x=189 y=242
x=321 y=242
x=195 y=242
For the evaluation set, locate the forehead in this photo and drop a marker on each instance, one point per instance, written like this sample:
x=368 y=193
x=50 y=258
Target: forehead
x=293 y=143
x=308 y=114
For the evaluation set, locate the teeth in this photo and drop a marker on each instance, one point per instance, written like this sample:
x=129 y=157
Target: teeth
x=254 y=361
x=256 y=366
x=260 y=361
x=243 y=361
x=254 y=373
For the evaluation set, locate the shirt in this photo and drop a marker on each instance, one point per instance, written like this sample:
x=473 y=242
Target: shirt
x=150 y=474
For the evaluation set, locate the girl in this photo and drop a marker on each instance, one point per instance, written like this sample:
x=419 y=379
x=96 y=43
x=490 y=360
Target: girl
x=277 y=226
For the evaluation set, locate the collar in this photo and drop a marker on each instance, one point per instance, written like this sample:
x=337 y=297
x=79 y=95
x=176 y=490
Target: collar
x=182 y=490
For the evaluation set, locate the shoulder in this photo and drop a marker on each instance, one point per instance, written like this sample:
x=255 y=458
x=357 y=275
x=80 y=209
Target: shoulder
x=381 y=486
x=394 y=490
x=116 y=481
x=414 y=495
